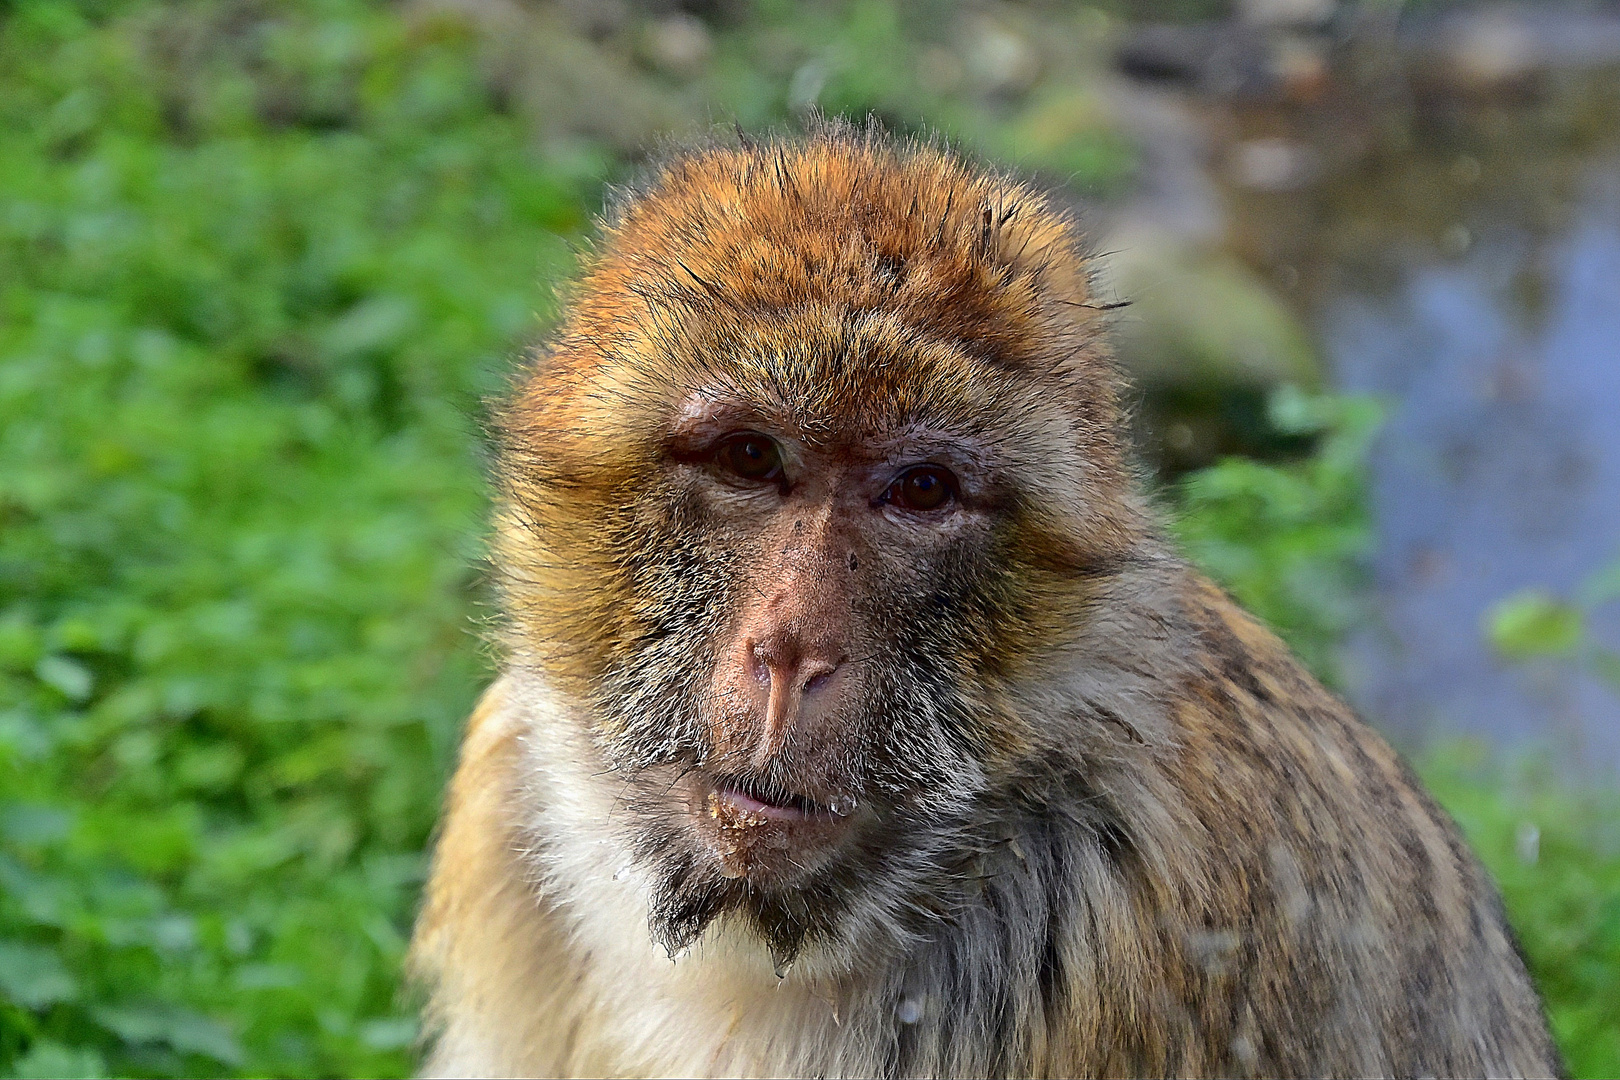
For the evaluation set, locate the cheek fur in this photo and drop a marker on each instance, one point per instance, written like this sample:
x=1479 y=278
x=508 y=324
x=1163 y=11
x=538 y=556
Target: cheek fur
x=678 y=588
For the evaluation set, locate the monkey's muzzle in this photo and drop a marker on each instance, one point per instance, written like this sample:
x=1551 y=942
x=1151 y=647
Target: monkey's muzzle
x=767 y=834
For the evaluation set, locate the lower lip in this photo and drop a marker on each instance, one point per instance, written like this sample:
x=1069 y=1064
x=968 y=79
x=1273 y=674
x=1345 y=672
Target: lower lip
x=748 y=806
x=772 y=845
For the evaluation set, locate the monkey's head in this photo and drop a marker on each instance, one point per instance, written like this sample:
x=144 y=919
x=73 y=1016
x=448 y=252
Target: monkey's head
x=811 y=483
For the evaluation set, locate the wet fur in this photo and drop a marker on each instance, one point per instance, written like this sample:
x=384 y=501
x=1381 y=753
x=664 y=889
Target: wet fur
x=1122 y=831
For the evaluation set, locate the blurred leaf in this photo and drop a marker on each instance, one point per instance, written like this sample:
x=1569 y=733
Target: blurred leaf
x=46 y=1059
x=1288 y=540
x=376 y=323
x=1292 y=410
x=389 y=1033
x=32 y=825
x=32 y=976
x=185 y=1031
x=72 y=678
x=1602 y=586
x=1534 y=623
x=19 y=643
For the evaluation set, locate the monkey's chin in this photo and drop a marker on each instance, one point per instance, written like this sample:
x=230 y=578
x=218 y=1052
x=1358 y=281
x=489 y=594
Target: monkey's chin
x=772 y=838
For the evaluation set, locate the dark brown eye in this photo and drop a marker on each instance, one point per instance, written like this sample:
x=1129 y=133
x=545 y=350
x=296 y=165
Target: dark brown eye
x=925 y=487
x=750 y=457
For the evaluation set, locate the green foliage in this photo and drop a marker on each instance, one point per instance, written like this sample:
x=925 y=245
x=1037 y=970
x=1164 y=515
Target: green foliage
x=245 y=324
x=1555 y=852
x=1288 y=539
x=1533 y=623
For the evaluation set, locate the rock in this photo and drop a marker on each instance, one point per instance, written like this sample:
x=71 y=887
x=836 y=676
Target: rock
x=1285 y=13
x=1205 y=343
x=1273 y=164
x=570 y=87
x=1001 y=60
x=1504 y=46
x=1300 y=66
x=1492 y=49
x=678 y=45
x=939 y=70
x=1200 y=319
x=1227 y=59
x=1168 y=52
x=1173 y=191
x=596 y=19
x=1217 y=59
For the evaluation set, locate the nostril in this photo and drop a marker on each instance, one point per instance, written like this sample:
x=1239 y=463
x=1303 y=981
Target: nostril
x=819 y=676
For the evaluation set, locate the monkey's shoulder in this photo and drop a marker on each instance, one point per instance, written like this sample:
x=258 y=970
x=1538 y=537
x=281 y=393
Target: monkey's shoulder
x=1329 y=867
x=486 y=947
x=1245 y=697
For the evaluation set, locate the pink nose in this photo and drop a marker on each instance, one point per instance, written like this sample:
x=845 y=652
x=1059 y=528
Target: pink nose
x=798 y=684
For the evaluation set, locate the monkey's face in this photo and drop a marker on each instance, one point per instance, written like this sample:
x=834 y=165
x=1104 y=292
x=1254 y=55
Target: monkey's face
x=794 y=722
x=816 y=607
x=797 y=500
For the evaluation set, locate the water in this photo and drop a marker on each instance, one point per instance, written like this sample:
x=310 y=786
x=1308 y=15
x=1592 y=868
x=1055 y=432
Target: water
x=1458 y=255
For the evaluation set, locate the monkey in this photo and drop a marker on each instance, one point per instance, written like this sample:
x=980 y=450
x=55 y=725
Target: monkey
x=855 y=716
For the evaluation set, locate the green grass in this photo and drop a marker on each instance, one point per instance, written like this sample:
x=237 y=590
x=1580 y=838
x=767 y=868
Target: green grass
x=241 y=364
x=256 y=277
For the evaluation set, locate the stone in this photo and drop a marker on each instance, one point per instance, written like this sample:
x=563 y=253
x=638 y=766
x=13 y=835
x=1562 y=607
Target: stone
x=678 y=45
x=1199 y=318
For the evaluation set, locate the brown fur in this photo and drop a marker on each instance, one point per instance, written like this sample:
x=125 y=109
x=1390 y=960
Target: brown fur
x=1119 y=829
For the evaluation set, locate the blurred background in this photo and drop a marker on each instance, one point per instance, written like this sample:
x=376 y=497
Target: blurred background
x=263 y=263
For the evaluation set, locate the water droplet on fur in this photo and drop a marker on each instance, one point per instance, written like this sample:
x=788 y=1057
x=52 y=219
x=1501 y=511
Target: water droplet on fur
x=782 y=956
x=843 y=805
x=909 y=1010
x=622 y=872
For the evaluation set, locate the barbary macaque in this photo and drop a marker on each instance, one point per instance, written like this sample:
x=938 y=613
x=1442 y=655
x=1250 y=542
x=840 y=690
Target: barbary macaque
x=856 y=717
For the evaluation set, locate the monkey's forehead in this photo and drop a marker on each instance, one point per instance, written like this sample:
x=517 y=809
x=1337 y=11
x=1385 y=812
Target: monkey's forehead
x=822 y=377
x=839 y=275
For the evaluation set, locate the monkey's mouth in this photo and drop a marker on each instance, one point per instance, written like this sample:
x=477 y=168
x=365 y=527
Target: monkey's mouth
x=746 y=797
x=769 y=834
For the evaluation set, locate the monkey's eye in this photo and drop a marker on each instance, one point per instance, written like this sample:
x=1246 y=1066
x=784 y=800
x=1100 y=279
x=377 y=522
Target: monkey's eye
x=921 y=488
x=750 y=456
